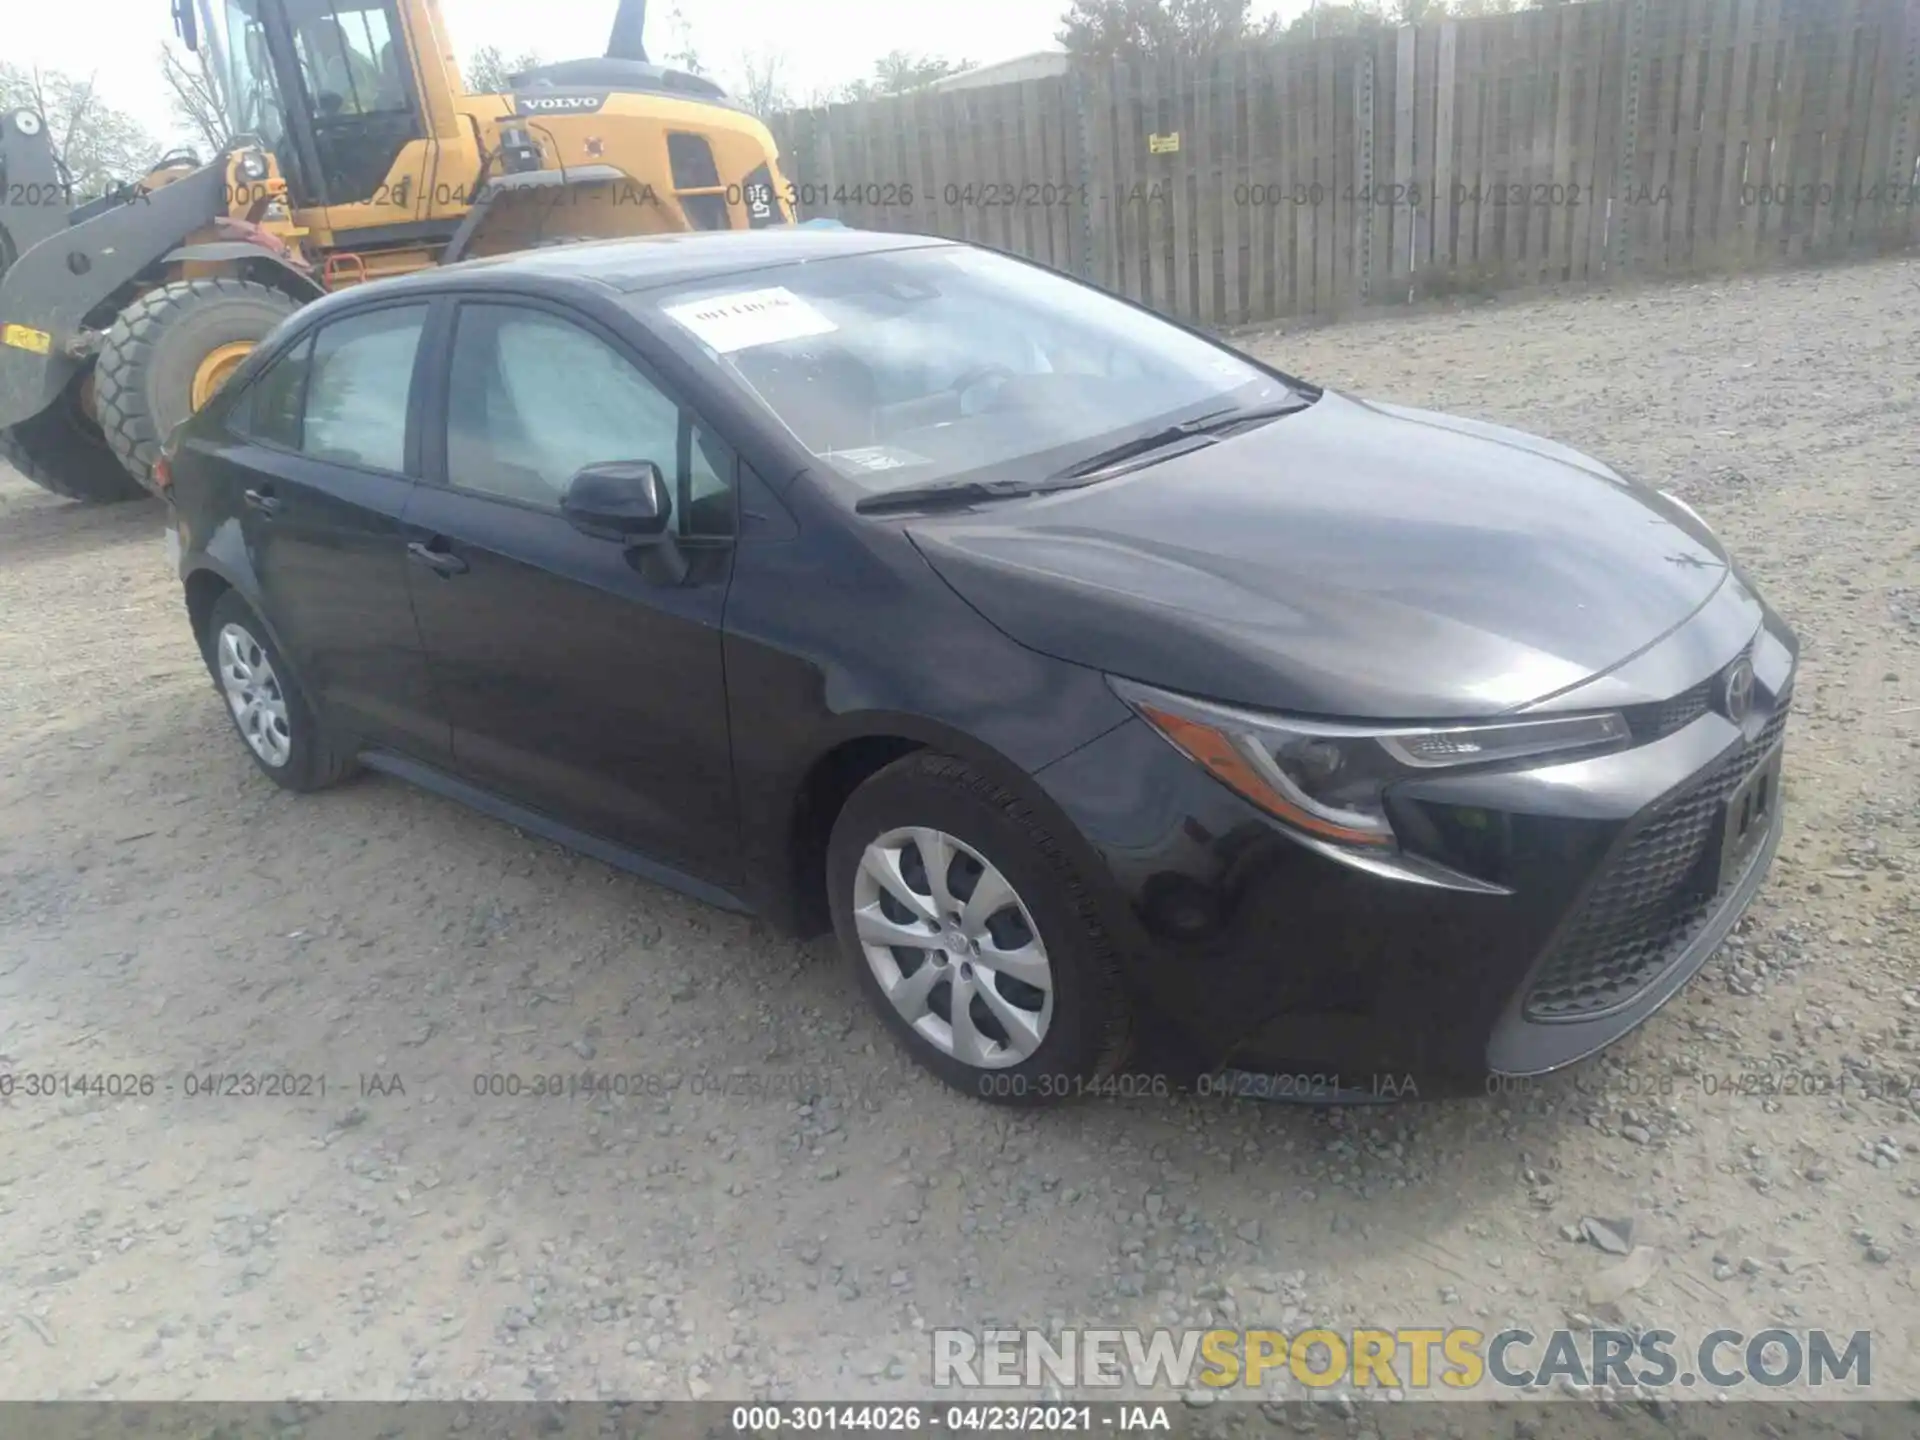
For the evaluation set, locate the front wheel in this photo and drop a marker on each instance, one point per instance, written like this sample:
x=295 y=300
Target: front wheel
x=973 y=935
x=169 y=352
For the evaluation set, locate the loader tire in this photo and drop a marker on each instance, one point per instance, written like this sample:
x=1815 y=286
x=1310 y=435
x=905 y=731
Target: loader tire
x=145 y=382
x=61 y=450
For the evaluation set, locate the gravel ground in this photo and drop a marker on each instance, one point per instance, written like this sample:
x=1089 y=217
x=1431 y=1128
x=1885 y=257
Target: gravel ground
x=166 y=912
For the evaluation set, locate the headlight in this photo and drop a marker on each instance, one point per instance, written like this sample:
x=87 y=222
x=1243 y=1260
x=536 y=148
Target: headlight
x=253 y=166
x=1329 y=781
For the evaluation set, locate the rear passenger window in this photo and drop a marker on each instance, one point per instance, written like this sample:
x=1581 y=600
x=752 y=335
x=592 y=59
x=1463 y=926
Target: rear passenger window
x=359 y=382
x=270 y=410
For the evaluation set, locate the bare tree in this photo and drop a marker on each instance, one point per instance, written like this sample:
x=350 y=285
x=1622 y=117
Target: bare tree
x=762 y=88
x=684 y=55
x=1337 y=18
x=195 y=96
x=490 y=70
x=894 y=73
x=899 y=71
x=97 y=145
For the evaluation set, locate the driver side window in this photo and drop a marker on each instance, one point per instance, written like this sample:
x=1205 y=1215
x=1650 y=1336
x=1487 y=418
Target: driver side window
x=533 y=399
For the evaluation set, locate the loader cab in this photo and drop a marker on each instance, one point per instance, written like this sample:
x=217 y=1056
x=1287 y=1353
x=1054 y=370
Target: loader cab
x=327 y=85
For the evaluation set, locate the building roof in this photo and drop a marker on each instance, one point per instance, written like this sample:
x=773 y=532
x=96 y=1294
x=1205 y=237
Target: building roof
x=1035 y=65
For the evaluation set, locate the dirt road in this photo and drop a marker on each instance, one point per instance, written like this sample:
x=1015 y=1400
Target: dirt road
x=781 y=1204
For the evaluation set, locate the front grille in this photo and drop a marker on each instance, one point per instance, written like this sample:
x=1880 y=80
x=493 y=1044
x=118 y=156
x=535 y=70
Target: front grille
x=1655 y=896
x=1656 y=721
x=1661 y=718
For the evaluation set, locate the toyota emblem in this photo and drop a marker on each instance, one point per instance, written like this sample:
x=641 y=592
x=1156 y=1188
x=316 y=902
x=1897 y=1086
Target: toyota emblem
x=1736 y=690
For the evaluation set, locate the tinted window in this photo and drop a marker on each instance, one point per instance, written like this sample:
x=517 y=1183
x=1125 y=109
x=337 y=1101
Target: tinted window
x=357 y=393
x=904 y=367
x=534 y=399
x=270 y=410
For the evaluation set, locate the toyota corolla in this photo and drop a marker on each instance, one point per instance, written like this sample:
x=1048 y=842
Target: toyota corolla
x=1087 y=677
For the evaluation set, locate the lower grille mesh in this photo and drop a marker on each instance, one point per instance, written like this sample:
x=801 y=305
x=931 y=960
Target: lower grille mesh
x=1656 y=895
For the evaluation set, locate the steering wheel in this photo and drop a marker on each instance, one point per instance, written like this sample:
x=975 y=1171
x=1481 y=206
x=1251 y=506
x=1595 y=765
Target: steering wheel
x=973 y=378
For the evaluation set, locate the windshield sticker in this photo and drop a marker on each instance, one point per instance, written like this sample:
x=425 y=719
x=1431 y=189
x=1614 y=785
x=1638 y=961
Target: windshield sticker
x=878 y=457
x=750 y=317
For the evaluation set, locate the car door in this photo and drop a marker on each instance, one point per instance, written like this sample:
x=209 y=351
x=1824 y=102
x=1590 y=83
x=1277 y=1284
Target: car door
x=322 y=480
x=581 y=677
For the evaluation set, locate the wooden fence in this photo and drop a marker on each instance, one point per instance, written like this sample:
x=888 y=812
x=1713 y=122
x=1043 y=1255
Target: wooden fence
x=1574 y=142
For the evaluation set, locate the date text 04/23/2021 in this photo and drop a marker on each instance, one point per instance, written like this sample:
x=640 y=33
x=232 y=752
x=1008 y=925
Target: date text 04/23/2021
x=957 y=1419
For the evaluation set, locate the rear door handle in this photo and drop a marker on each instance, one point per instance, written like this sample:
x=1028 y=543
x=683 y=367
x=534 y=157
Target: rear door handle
x=441 y=562
x=263 y=501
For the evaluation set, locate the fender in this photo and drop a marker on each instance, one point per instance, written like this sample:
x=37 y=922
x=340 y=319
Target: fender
x=773 y=868
x=281 y=274
x=224 y=554
x=499 y=185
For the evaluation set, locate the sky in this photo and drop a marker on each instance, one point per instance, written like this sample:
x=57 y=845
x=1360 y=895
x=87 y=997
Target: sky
x=820 y=44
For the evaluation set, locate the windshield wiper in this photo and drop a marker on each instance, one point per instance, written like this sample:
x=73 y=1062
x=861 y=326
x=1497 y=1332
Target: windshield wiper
x=1083 y=472
x=1210 y=423
x=946 y=492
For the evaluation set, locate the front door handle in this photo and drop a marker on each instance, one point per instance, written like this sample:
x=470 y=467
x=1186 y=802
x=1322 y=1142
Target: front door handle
x=443 y=563
x=263 y=501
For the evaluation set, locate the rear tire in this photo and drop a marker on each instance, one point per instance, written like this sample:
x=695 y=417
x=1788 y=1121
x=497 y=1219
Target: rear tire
x=268 y=708
x=144 y=385
x=1033 y=971
x=62 y=451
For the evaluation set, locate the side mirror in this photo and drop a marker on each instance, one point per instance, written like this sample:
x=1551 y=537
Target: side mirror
x=624 y=500
x=185 y=24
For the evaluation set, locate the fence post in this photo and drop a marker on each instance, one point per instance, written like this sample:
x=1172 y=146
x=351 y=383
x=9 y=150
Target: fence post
x=1906 y=157
x=1363 y=170
x=1077 y=88
x=1631 y=41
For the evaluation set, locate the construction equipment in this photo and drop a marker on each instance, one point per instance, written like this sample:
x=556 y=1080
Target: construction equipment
x=358 y=154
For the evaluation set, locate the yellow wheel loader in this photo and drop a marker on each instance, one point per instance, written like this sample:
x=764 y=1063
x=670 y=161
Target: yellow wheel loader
x=358 y=154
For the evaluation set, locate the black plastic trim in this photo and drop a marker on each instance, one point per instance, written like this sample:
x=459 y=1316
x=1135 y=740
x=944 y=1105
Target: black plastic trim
x=427 y=777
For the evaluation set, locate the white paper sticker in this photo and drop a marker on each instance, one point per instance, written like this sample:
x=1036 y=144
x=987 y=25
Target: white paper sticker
x=751 y=317
x=879 y=457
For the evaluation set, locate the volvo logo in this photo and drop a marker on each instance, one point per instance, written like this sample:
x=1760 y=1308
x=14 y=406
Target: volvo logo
x=558 y=104
x=1736 y=690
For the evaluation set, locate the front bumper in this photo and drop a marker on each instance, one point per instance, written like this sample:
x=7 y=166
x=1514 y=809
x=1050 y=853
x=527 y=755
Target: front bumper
x=1271 y=959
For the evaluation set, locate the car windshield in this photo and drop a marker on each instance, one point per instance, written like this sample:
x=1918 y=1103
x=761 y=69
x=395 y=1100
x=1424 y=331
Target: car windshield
x=909 y=367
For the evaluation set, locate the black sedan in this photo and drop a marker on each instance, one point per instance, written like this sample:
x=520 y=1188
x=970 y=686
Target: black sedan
x=1089 y=678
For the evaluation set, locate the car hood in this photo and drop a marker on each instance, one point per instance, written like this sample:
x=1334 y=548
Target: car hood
x=1353 y=559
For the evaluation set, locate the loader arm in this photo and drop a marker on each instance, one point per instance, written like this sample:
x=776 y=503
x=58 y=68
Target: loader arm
x=50 y=290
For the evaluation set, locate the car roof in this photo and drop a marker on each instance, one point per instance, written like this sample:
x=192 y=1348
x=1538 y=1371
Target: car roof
x=642 y=262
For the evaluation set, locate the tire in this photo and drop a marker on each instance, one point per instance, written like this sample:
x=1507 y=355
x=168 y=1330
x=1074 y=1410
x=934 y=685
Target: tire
x=144 y=384
x=1074 y=1028
x=62 y=451
x=305 y=759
